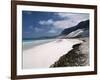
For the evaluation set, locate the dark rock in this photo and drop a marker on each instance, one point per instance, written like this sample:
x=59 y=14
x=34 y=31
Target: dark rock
x=82 y=25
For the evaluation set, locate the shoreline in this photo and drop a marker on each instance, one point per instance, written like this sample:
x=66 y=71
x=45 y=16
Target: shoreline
x=44 y=55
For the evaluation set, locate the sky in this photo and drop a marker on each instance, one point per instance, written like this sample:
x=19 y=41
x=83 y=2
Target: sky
x=37 y=24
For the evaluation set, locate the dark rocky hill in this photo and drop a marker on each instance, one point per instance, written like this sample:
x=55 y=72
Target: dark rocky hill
x=82 y=26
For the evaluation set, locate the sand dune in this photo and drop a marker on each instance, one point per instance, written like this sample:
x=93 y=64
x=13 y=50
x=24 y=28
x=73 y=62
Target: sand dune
x=44 y=55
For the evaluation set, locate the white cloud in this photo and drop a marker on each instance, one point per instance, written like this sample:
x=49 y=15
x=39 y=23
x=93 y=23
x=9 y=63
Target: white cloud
x=70 y=19
x=29 y=12
x=27 y=32
x=63 y=15
x=38 y=29
x=31 y=27
x=78 y=16
x=65 y=24
x=52 y=31
x=48 y=22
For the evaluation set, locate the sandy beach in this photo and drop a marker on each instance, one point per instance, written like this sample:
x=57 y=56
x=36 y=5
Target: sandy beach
x=44 y=55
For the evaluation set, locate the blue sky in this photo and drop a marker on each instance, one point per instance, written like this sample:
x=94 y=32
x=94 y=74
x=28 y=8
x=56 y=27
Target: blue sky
x=39 y=24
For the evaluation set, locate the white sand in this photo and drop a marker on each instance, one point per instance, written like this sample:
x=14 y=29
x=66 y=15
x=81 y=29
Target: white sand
x=44 y=55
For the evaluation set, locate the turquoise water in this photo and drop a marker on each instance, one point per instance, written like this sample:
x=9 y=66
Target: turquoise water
x=27 y=44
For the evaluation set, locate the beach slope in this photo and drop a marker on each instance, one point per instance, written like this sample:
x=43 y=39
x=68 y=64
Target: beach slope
x=44 y=55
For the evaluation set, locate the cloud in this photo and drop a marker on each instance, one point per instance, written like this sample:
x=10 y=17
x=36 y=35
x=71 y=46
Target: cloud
x=31 y=27
x=65 y=20
x=29 y=12
x=48 y=22
x=38 y=29
x=69 y=19
x=27 y=32
x=65 y=24
x=52 y=31
x=78 y=16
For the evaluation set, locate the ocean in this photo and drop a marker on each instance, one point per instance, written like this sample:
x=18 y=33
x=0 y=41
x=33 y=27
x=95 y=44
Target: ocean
x=28 y=44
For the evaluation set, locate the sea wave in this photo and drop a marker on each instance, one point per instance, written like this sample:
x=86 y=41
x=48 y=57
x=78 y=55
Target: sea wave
x=28 y=44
